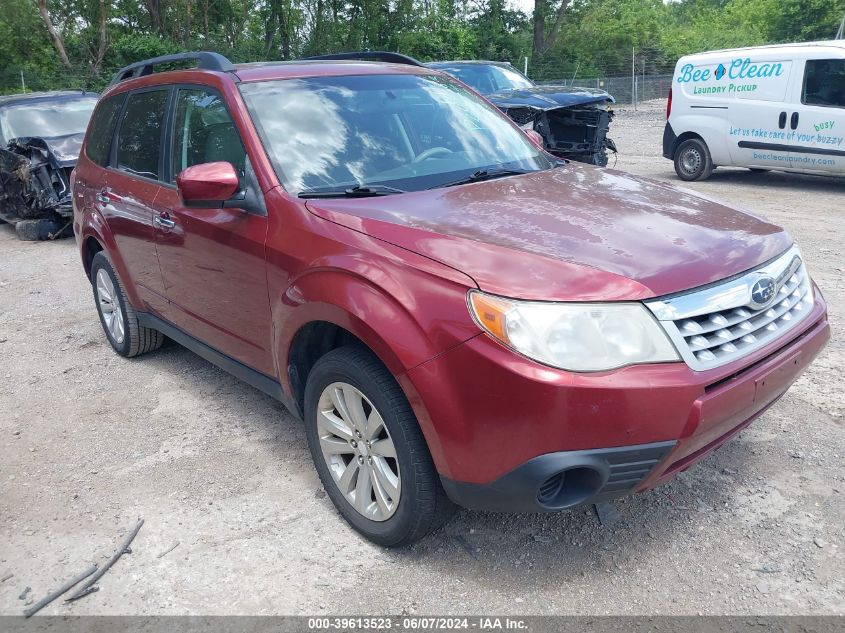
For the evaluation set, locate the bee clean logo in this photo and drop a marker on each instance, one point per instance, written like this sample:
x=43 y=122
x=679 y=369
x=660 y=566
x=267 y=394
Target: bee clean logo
x=720 y=71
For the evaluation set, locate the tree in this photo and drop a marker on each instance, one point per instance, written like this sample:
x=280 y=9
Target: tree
x=544 y=37
x=58 y=42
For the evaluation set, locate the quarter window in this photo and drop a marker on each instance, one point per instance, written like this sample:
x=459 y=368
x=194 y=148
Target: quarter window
x=203 y=132
x=102 y=129
x=824 y=83
x=139 y=140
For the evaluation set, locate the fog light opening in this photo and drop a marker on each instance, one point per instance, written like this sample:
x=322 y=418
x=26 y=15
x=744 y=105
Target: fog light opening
x=569 y=488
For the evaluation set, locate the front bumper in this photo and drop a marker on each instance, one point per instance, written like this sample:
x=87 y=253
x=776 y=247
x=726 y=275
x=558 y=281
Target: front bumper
x=501 y=428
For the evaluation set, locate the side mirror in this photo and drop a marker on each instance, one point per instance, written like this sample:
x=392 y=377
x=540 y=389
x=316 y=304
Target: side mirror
x=208 y=184
x=536 y=138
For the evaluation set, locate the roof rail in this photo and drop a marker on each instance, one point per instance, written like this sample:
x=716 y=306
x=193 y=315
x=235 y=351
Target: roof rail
x=205 y=61
x=372 y=56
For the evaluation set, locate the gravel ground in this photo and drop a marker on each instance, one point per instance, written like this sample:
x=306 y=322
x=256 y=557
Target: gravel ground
x=90 y=442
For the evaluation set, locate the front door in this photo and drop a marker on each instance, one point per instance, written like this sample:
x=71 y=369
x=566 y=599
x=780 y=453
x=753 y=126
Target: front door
x=212 y=259
x=819 y=118
x=128 y=190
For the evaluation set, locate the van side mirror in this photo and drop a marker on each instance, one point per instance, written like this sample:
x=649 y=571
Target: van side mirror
x=208 y=184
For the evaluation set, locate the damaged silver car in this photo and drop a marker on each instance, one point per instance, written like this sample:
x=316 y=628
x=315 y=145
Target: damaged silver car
x=573 y=122
x=40 y=137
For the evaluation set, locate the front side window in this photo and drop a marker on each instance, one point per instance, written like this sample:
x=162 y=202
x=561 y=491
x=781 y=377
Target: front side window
x=47 y=119
x=824 y=83
x=410 y=132
x=139 y=139
x=99 y=140
x=203 y=132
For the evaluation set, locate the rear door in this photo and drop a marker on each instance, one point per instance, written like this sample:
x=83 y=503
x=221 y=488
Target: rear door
x=127 y=193
x=818 y=118
x=94 y=160
x=213 y=259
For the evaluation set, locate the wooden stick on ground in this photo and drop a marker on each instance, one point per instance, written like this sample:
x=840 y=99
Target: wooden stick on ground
x=52 y=596
x=88 y=587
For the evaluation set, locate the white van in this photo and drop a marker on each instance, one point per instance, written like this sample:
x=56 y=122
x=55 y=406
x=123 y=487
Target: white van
x=767 y=107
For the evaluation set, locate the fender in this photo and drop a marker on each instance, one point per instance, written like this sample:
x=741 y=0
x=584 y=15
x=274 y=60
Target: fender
x=713 y=128
x=384 y=316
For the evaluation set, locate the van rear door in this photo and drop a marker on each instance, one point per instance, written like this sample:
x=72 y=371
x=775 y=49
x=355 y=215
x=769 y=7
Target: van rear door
x=817 y=118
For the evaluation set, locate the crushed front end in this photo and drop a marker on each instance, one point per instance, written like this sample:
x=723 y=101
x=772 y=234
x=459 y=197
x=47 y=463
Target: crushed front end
x=34 y=189
x=574 y=122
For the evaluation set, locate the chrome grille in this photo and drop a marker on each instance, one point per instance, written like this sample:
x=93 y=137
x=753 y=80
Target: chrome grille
x=722 y=323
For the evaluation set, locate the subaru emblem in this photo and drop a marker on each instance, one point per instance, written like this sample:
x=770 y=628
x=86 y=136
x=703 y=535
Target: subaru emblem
x=763 y=292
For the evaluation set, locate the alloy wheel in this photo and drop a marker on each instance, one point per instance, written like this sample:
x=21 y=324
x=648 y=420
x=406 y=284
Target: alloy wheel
x=109 y=305
x=358 y=451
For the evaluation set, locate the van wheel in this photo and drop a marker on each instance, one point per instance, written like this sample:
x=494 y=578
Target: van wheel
x=120 y=323
x=369 y=450
x=693 y=161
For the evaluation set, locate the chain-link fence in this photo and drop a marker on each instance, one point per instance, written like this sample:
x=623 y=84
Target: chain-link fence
x=626 y=90
x=641 y=80
x=18 y=80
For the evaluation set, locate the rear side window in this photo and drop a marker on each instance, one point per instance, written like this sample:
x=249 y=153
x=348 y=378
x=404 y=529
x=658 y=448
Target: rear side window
x=139 y=139
x=102 y=129
x=824 y=83
x=203 y=132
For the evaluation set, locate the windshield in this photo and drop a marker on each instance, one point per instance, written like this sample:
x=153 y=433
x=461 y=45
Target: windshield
x=488 y=79
x=410 y=132
x=47 y=119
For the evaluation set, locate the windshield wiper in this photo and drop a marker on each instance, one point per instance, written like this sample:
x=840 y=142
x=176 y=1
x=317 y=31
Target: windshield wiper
x=485 y=174
x=358 y=191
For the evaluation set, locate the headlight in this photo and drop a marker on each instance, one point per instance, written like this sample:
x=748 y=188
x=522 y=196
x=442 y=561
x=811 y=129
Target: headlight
x=574 y=336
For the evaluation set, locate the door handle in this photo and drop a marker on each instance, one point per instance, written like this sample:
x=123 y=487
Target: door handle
x=782 y=120
x=105 y=196
x=794 y=123
x=164 y=222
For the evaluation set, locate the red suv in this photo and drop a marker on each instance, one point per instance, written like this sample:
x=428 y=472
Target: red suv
x=457 y=317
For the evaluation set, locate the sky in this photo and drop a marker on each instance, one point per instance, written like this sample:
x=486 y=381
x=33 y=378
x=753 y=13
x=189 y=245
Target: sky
x=526 y=6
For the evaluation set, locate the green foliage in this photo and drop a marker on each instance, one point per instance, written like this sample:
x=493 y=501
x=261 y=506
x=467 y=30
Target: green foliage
x=596 y=38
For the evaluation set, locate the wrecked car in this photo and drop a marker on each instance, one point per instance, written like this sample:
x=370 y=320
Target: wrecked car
x=40 y=137
x=573 y=122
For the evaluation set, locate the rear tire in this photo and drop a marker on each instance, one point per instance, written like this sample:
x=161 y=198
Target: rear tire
x=693 y=160
x=361 y=432
x=120 y=323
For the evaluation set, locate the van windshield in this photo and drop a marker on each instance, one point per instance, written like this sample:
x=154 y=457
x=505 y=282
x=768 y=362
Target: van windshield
x=408 y=132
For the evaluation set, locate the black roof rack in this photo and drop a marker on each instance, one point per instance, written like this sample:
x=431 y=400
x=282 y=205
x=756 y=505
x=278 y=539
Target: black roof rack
x=205 y=61
x=372 y=56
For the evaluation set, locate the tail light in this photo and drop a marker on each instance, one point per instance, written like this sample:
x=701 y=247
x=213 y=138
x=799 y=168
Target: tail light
x=669 y=104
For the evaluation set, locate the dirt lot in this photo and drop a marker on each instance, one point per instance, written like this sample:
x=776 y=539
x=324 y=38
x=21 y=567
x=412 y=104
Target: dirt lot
x=91 y=441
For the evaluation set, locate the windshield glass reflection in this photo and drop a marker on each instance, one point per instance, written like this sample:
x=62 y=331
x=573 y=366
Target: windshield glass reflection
x=411 y=132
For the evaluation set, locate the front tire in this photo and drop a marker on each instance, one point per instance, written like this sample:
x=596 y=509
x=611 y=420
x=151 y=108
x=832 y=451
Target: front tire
x=369 y=450
x=693 y=160
x=120 y=323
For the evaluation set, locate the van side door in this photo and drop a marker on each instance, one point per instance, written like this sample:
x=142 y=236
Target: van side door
x=758 y=84
x=818 y=118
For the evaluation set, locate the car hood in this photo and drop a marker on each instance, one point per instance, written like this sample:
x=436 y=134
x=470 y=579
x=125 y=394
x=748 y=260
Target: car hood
x=64 y=150
x=548 y=97
x=575 y=233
